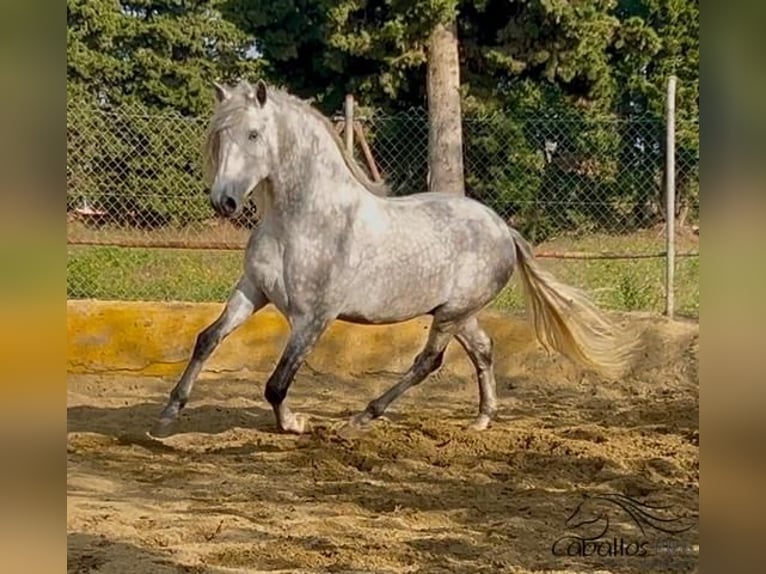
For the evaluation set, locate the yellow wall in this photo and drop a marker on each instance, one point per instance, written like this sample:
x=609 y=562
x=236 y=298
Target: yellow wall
x=156 y=339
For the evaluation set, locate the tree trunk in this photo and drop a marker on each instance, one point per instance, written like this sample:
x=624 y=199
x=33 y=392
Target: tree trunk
x=445 y=134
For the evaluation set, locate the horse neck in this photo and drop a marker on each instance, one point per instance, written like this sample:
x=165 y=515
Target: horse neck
x=311 y=169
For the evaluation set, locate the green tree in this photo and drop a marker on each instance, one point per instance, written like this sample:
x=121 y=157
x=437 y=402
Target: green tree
x=324 y=49
x=540 y=73
x=550 y=42
x=139 y=75
x=159 y=53
x=658 y=38
x=556 y=72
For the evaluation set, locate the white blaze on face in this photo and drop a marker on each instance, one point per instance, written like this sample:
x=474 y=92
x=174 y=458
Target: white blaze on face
x=233 y=161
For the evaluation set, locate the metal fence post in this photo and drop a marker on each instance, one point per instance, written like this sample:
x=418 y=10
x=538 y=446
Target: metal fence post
x=349 y=127
x=670 y=198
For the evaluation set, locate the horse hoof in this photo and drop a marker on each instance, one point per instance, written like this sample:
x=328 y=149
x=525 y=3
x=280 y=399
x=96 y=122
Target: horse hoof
x=481 y=423
x=355 y=426
x=298 y=424
x=162 y=429
x=360 y=421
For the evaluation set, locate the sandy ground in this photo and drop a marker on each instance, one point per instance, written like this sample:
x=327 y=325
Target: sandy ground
x=416 y=493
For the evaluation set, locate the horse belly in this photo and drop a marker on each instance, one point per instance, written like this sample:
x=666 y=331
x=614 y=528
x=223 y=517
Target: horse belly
x=390 y=296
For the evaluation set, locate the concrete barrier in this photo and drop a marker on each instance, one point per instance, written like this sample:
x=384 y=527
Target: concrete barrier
x=156 y=339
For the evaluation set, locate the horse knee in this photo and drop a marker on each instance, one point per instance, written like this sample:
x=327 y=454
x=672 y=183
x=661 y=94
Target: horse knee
x=480 y=350
x=485 y=351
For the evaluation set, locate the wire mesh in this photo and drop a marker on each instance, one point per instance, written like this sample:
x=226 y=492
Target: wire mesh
x=586 y=191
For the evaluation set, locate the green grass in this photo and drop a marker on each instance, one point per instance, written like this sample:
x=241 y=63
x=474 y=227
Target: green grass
x=151 y=274
x=195 y=275
x=621 y=284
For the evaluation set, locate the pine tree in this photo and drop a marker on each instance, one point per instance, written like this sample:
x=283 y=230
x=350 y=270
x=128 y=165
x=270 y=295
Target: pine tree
x=152 y=62
x=163 y=54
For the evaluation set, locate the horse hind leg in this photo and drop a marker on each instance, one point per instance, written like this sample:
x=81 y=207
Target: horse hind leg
x=479 y=347
x=427 y=362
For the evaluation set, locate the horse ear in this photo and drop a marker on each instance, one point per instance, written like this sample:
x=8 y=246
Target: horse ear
x=221 y=92
x=260 y=92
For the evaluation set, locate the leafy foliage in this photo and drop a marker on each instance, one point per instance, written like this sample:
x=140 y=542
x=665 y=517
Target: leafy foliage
x=142 y=167
x=156 y=58
x=563 y=100
x=161 y=53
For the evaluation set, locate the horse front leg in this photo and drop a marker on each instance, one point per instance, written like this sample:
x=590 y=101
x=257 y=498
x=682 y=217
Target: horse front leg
x=244 y=300
x=303 y=337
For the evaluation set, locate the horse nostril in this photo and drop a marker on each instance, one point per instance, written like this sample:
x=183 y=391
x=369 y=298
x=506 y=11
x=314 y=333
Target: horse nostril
x=229 y=205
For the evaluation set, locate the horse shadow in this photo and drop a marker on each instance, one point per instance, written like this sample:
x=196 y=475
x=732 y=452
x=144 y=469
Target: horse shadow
x=138 y=419
x=88 y=553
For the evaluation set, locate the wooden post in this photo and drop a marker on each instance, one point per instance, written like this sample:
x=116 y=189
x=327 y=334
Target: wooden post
x=366 y=151
x=670 y=198
x=349 y=127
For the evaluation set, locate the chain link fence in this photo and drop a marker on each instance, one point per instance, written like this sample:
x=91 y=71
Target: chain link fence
x=587 y=191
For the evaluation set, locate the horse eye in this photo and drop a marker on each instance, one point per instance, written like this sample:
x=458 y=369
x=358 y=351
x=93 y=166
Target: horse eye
x=252 y=136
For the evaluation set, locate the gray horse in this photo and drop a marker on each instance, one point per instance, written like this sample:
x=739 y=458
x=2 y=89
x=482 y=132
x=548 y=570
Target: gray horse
x=331 y=245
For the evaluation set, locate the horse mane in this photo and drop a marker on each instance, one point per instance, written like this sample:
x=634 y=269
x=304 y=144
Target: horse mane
x=228 y=112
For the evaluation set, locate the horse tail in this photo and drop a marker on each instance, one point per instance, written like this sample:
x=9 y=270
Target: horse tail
x=566 y=320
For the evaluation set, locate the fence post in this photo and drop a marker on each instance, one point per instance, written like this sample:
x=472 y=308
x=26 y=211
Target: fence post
x=670 y=198
x=349 y=127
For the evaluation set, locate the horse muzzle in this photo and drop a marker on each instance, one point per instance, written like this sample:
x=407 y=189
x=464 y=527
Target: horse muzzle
x=226 y=204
